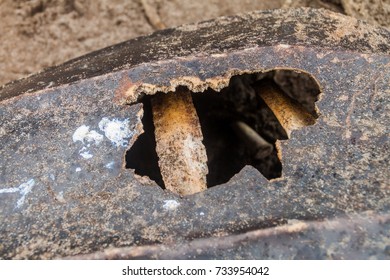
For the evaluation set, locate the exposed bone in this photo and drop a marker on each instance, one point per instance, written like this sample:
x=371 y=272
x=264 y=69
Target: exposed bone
x=182 y=155
x=258 y=146
x=289 y=112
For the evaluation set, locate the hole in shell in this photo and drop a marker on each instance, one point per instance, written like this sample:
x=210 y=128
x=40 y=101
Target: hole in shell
x=228 y=151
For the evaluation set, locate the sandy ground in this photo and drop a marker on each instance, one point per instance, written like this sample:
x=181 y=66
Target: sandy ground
x=41 y=33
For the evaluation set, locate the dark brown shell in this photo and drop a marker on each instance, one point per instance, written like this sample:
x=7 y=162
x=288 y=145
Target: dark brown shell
x=78 y=204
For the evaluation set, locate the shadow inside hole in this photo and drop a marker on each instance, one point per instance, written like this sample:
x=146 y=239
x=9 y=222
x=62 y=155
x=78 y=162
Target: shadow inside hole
x=142 y=156
x=226 y=152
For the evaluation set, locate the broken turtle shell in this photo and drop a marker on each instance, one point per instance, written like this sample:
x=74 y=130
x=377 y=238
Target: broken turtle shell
x=65 y=131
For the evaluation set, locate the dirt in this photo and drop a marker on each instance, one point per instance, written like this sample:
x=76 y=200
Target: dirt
x=42 y=33
x=373 y=11
x=38 y=34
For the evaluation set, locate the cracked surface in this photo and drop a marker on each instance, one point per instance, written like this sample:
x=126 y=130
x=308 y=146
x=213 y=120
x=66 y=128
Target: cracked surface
x=81 y=205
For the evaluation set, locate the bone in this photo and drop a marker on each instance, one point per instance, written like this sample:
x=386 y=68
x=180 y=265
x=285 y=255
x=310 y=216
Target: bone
x=256 y=144
x=182 y=155
x=289 y=112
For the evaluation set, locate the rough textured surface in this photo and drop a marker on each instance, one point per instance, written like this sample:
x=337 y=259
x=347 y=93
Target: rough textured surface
x=333 y=5
x=210 y=39
x=365 y=236
x=42 y=33
x=291 y=115
x=373 y=11
x=64 y=190
x=181 y=154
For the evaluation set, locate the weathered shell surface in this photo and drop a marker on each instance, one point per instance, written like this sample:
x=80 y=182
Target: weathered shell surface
x=64 y=132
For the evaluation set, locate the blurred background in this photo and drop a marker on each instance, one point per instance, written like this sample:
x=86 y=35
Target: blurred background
x=42 y=33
